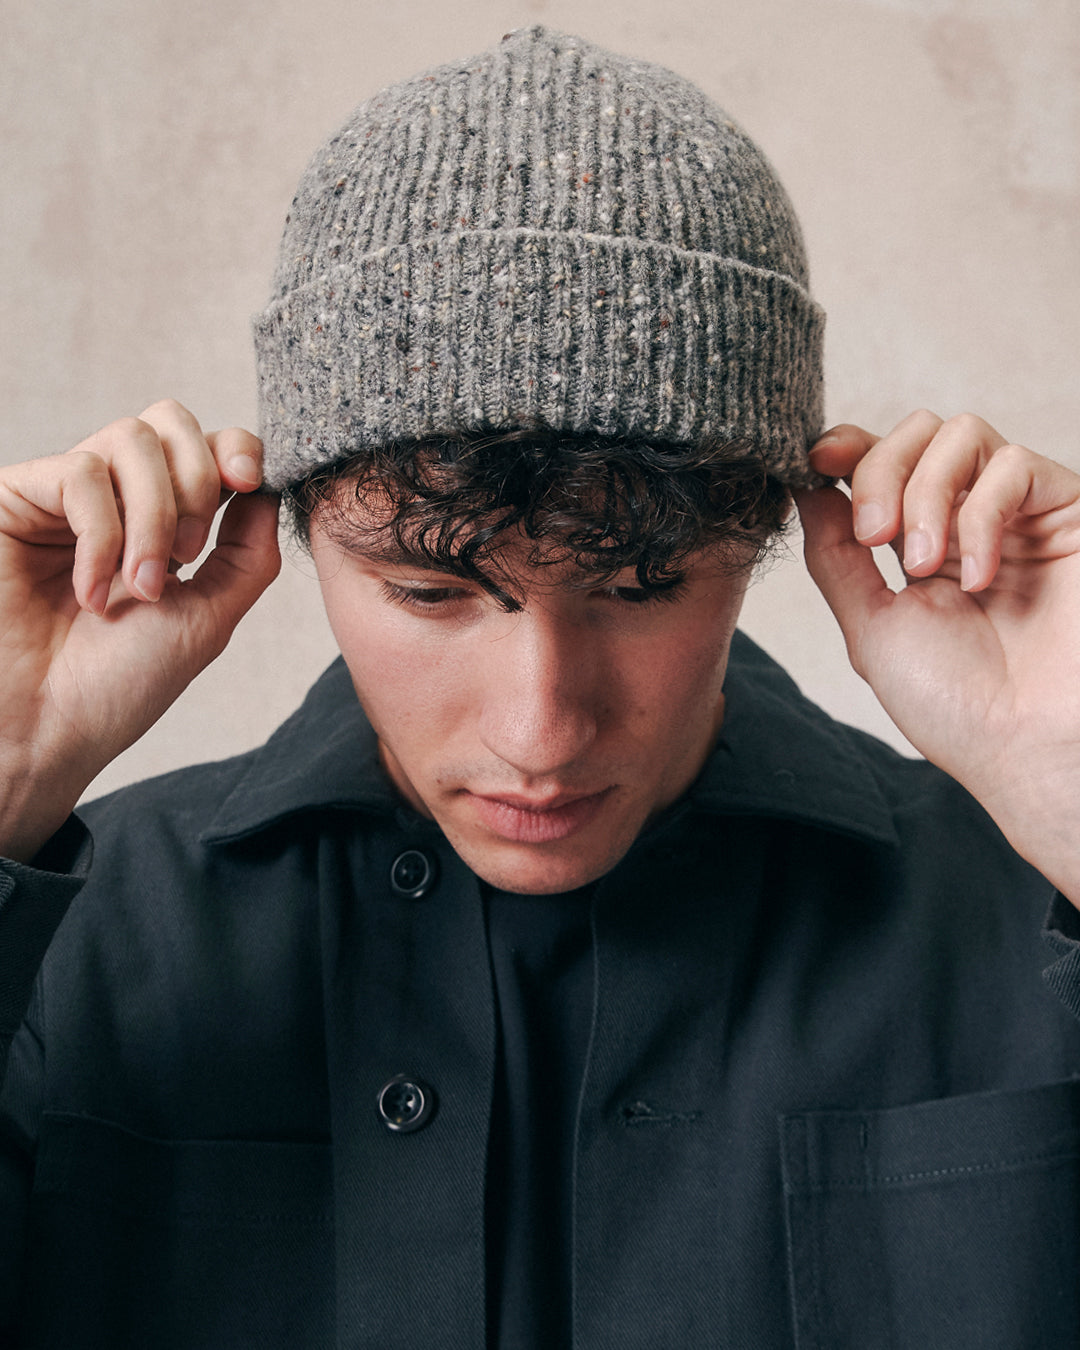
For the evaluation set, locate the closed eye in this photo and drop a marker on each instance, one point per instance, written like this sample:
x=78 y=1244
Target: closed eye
x=421 y=597
x=431 y=598
x=639 y=595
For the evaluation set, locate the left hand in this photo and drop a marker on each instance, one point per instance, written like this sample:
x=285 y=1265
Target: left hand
x=977 y=659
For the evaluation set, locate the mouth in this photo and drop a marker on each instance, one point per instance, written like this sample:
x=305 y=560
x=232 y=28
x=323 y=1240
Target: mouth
x=524 y=820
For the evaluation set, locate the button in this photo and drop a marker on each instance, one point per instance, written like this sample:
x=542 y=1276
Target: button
x=405 y=1104
x=413 y=874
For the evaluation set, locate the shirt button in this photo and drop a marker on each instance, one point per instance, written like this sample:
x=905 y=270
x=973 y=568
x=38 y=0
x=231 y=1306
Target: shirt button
x=413 y=874
x=405 y=1104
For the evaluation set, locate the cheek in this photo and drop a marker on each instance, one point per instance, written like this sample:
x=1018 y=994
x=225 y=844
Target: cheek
x=687 y=668
x=671 y=708
x=410 y=688
x=681 y=696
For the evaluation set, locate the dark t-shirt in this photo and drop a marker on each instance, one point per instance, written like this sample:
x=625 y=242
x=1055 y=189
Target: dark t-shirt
x=542 y=972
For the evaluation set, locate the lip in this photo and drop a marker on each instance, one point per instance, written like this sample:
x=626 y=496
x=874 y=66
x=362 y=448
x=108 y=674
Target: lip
x=525 y=820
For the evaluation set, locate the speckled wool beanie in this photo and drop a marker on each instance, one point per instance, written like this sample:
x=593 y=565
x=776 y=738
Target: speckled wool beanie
x=546 y=236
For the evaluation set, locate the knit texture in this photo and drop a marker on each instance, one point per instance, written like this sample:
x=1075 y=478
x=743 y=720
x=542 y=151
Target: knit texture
x=546 y=236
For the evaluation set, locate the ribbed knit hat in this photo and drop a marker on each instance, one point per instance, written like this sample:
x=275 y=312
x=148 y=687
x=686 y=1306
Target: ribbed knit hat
x=546 y=236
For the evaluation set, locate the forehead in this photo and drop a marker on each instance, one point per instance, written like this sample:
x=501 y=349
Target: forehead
x=508 y=562
x=574 y=511
x=438 y=535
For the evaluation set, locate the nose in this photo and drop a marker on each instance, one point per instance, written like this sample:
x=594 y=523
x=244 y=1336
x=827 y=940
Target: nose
x=541 y=693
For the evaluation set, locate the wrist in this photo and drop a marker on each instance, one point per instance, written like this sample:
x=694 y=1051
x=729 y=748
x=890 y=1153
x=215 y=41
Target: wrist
x=1034 y=811
x=33 y=807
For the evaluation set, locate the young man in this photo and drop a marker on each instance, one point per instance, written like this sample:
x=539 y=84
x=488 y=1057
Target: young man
x=556 y=975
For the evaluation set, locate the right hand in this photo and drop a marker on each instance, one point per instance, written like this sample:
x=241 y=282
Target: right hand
x=98 y=636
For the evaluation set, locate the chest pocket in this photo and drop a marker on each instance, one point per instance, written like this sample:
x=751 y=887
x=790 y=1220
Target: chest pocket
x=946 y=1224
x=144 y=1242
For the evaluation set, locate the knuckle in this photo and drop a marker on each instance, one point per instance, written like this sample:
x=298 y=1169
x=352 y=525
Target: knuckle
x=925 y=421
x=968 y=426
x=132 y=428
x=129 y=434
x=1014 y=457
x=167 y=409
x=86 y=465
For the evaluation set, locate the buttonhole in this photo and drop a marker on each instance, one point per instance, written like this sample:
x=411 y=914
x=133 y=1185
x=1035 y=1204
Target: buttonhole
x=644 y=1113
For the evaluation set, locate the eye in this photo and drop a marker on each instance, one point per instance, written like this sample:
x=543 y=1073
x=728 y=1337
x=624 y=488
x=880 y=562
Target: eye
x=421 y=597
x=630 y=595
x=638 y=595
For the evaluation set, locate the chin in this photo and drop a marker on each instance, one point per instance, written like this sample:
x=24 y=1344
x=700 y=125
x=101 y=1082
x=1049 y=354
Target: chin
x=533 y=873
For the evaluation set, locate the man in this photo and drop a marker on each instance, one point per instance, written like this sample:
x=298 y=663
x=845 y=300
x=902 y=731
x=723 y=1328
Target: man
x=588 y=987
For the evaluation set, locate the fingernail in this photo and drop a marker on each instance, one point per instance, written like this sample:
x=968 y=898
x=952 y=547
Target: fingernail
x=246 y=468
x=150 y=579
x=917 y=549
x=869 y=519
x=189 y=539
x=969 y=572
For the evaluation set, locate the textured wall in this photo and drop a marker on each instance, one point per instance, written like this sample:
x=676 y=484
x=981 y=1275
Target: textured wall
x=150 y=152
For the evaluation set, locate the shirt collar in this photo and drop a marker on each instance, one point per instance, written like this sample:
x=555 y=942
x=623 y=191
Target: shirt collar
x=324 y=757
x=782 y=756
x=778 y=755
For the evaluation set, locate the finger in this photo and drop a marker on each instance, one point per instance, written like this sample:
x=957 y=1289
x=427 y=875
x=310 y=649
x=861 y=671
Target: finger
x=842 y=568
x=244 y=561
x=60 y=503
x=239 y=456
x=89 y=505
x=951 y=462
x=204 y=469
x=836 y=453
x=881 y=475
x=142 y=483
x=193 y=473
x=1015 y=482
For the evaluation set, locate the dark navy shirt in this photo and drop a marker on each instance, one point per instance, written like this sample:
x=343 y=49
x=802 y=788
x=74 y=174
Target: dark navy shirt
x=542 y=962
x=812 y=1086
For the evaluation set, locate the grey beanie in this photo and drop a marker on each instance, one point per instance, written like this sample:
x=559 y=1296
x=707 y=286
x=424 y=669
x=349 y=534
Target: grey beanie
x=546 y=236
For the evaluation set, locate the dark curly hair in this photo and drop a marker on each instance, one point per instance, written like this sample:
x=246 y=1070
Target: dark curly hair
x=601 y=504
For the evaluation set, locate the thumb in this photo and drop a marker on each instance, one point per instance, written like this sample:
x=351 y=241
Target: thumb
x=843 y=569
x=244 y=561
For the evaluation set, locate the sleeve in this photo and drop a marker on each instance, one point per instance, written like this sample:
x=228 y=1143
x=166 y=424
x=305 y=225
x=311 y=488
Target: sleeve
x=1061 y=933
x=33 y=900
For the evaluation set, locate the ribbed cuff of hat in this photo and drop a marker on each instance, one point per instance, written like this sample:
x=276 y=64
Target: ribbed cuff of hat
x=525 y=328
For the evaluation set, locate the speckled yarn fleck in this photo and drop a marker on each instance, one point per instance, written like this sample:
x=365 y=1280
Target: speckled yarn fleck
x=547 y=235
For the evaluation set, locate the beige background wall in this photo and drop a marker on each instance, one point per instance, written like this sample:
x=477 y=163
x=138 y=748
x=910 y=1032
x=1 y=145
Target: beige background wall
x=150 y=149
